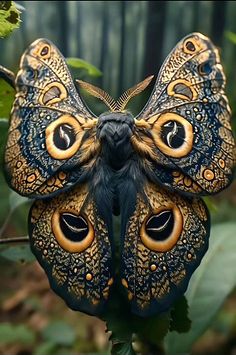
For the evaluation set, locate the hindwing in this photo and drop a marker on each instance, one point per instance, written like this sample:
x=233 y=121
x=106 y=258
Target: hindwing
x=71 y=242
x=164 y=241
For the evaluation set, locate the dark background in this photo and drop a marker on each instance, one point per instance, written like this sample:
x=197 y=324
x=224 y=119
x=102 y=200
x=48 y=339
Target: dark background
x=126 y=40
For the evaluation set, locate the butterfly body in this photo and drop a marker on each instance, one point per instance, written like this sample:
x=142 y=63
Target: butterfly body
x=114 y=131
x=150 y=169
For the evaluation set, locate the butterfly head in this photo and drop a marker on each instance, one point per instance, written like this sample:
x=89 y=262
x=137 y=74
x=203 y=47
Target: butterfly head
x=115 y=128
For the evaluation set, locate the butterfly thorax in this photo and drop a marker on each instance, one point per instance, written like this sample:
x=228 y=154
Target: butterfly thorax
x=114 y=131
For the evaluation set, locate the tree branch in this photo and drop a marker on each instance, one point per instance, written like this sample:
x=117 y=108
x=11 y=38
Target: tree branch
x=8 y=76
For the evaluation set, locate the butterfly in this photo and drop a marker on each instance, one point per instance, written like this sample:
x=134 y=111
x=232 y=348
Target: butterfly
x=151 y=170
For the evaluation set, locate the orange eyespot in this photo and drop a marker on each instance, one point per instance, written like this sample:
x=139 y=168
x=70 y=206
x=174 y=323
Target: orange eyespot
x=173 y=135
x=182 y=89
x=44 y=51
x=208 y=174
x=53 y=93
x=191 y=45
x=161 y=231
x=63 y=138
x=72 y=231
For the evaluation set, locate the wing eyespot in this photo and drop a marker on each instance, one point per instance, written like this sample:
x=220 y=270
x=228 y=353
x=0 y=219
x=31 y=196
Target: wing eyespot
x=205 y=68
x=53 y=93
x=182 y=89
x=44 y=51
x=41 y=49
x=63 y=138
x=161 y=230
x=208 y=174
x=173 y=135
x=31 y=73
x=73 y=231
x=191 y=46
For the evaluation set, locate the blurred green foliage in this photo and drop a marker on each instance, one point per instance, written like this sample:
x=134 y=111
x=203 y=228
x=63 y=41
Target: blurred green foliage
x=9 y=17
x=80 y=65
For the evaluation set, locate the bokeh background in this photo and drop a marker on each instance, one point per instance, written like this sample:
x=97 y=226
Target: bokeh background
x=126 y=41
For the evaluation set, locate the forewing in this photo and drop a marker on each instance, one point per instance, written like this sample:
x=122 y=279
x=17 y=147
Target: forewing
x=71 y=242
x=164 y=242
x=186 y=123
x=51 y=132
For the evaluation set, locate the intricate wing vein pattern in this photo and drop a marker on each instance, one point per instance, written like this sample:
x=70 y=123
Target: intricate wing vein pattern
x=71 y=243
x=189 y=119
x=166 y=238
x=48 y=124
x=151 y=169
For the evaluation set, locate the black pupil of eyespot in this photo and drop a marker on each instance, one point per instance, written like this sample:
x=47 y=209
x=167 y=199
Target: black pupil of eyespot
x=44 y=51
x=190 y=46
x=173 y=134
x=205 y=68
x=64 y=136
x=160 y=226
x=75 y=228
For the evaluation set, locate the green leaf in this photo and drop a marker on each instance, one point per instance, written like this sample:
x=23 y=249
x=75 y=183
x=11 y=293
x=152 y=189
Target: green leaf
x=121 y=327
x=121 y=348
x=46 y=348
x=10 y=334
x=179 y=316
x=3 y=138
x=231 y=36
x=17 y=253
x=59 y=333
x=7 y=94
x=211 y=204
x=123 y=324
x=78 y=63
x=152 y=329
x=212 y=282
x=118 y=318
x=9 y=17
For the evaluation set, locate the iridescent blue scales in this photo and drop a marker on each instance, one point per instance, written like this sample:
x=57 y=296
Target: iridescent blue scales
x=150 y=169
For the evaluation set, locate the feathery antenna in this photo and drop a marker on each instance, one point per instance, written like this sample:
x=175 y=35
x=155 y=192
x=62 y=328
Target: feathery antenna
x=120 y=104
x=99 y=93
x=135 y=90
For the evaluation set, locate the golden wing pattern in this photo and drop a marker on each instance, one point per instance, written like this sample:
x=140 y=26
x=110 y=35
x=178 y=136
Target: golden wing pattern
x=188 y=117
x=48 y=124
x=165 y=240
x=150 y=169
x=71 y=242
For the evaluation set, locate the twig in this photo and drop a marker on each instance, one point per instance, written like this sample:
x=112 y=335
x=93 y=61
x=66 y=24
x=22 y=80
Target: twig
x=14 y=240
x=8 y=76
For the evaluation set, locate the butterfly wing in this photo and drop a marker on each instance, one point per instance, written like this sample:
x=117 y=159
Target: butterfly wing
x=71 y=242
x=184 y=131
x=51 y=133
x=163 y=242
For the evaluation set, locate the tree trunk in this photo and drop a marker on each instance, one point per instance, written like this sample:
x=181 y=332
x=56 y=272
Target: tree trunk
x=122 y=47
x=104 y=44
x=218 y=21
x=196 y=15
x=64 y=26
x=156 y=17
x=79 y=48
